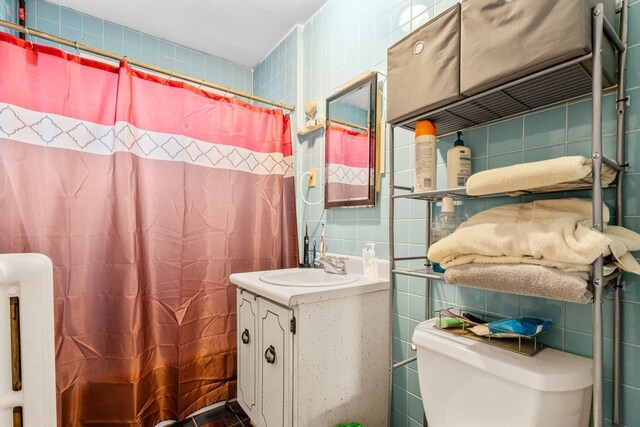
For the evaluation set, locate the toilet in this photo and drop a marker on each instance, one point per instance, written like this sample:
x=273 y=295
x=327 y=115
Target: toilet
x=470 y=383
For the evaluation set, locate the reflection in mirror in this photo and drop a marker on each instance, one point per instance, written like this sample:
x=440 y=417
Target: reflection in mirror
x=350 y=144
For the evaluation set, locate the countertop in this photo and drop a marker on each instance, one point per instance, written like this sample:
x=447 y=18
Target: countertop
x=296 y=295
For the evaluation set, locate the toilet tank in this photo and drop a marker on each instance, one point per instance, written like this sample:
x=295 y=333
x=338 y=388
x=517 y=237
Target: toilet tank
x=469 y=383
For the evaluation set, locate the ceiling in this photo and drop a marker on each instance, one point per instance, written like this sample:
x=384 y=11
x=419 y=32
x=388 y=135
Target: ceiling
x=240 y=31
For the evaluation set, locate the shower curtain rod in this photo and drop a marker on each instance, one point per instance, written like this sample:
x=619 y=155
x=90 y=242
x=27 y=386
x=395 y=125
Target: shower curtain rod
x=345 y=123
x=171 y=74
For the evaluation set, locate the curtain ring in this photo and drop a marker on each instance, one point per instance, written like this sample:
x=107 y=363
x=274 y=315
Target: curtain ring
x=77 y=49
x=169 y=78
x=201 y=83
x=26 y=30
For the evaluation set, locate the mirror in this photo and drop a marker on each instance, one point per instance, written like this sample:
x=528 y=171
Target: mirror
x=350 y=144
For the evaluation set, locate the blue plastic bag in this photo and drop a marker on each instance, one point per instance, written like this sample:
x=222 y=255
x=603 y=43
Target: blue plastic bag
x=527 y=326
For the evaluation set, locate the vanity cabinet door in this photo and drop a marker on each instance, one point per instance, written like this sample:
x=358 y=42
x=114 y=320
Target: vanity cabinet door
x=247 y=351
x=275 y=358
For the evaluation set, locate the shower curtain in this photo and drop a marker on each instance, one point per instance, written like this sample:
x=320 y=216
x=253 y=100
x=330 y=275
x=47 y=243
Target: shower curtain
x=146 y=193
x=349 y=164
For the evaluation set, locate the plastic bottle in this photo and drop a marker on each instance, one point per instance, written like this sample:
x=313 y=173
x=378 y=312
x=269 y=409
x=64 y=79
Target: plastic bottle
x=458 y=164
x=370 y=262
x=425 y=160
x=445 y=224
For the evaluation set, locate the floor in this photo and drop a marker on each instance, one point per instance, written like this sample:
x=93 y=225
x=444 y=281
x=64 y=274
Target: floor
x=229 y=415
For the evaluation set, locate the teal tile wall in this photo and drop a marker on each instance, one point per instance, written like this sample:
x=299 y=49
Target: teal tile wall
x=348 y=37
x=86 y=29
x=350 y=113
x=8 y=12
x=275 y=77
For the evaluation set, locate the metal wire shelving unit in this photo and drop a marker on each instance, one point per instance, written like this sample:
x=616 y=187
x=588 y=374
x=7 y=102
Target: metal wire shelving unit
x=560 y=83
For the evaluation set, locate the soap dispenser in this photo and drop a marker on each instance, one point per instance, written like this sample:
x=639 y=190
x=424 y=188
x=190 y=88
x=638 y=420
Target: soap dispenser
x=370 y=262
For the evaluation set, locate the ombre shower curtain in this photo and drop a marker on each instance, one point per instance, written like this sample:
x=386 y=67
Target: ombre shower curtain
x=350 y=160
x=146 y=193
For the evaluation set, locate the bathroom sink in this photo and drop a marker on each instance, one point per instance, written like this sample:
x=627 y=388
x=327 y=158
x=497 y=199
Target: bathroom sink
x=306 y=277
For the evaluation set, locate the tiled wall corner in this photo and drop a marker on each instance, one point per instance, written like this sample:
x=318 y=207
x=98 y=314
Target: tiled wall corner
x=277 y=77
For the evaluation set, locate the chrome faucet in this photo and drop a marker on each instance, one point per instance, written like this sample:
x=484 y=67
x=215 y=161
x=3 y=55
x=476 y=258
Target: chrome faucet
x=334 y=265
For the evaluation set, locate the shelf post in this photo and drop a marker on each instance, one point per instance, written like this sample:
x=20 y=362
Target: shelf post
x=596 y=155
x=392 y=264
x=621 y=102
x=427 y=284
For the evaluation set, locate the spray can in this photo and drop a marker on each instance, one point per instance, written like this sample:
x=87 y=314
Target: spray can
x=425 y=157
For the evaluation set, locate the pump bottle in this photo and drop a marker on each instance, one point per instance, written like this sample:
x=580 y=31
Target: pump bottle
x=458 y=164
x=370 y=262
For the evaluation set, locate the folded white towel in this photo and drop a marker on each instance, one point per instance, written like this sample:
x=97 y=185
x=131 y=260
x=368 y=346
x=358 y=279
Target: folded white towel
x=551 y=233
x=549 y=175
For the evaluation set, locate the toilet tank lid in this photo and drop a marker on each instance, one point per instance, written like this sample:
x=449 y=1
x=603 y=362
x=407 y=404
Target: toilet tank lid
x=549 y=370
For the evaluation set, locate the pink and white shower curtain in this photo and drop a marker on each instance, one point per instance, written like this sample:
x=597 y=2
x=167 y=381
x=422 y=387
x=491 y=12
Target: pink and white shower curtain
x=349 y=158
x=146 y=194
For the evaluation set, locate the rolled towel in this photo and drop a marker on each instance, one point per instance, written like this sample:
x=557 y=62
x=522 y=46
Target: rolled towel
x=523 y=279
x=552 y=233
x=547 y=175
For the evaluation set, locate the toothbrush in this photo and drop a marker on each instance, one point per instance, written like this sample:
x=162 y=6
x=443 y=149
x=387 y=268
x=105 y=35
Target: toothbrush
x=305 y=250
x=322 y=241
x=314 y=252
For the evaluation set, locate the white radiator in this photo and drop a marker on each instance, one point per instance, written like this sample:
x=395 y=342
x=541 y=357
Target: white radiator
x=27 y=383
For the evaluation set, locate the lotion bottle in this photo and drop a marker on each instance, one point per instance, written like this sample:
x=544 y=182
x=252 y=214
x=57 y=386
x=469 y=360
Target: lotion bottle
x=425 y=157
x=458 y=164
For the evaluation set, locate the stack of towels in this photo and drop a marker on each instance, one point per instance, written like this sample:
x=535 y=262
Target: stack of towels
x=544 y=248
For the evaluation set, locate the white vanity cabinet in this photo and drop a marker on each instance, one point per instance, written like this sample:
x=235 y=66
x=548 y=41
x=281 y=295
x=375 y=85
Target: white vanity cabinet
x=247 y=344
x=265 y=355
x=313 y=356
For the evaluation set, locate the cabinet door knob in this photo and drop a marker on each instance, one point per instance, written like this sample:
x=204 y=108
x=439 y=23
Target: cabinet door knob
x=245 y=336
x=270 y=354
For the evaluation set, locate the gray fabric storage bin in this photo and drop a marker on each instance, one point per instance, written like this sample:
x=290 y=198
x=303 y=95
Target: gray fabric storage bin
x=502 y=40
x=420 y=80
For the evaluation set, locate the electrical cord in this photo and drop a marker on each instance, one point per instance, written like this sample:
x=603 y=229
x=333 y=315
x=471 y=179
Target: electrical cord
x=302 y=194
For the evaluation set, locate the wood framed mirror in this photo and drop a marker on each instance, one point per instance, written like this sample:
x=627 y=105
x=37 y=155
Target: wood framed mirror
x=350 y=144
